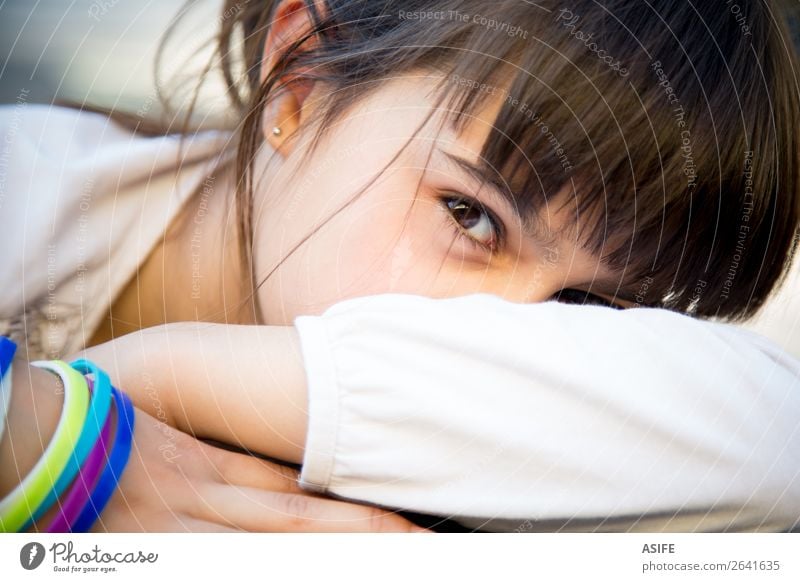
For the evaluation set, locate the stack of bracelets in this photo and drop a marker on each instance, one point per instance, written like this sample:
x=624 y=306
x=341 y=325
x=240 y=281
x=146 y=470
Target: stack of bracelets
x=82 y=464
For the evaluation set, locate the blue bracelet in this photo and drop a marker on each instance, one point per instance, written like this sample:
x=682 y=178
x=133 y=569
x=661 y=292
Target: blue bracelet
x=117 y=460
x=7 y=350
x=95 y=419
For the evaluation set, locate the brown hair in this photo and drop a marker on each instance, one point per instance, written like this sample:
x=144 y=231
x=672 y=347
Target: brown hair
x=673 y=123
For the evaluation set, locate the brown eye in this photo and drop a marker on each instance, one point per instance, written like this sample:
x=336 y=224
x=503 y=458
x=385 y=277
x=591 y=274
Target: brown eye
x=467 y=215
x=474 y=221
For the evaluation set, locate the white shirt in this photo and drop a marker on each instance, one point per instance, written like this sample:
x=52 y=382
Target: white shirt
x=551 y=417
x=559 y=418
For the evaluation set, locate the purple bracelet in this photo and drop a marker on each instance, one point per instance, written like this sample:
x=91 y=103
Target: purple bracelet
x=84 y=483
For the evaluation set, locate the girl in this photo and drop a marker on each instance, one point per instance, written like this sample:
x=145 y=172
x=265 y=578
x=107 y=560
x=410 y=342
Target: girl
x=574 y=160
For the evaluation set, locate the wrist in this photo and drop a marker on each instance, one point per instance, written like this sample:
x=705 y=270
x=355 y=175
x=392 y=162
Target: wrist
x=36 y=402
x=140 y=363
x=59 y=440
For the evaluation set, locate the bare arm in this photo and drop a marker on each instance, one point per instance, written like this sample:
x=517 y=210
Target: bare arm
x=242 y=385
x=173 y=482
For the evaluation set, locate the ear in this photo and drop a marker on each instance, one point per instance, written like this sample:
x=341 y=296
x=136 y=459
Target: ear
x=286 y=110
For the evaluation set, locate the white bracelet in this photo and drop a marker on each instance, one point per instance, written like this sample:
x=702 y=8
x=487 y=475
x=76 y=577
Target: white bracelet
x=5 y=399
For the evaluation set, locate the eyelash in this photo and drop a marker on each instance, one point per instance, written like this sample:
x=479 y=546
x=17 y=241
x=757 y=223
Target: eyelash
x=497 y=224
x=578 y=297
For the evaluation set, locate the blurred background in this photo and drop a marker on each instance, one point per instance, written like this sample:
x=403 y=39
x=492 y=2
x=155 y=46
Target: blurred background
x=102 y=52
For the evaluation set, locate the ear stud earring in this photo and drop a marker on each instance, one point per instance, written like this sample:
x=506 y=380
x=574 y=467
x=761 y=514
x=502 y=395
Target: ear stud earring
x=276 y=130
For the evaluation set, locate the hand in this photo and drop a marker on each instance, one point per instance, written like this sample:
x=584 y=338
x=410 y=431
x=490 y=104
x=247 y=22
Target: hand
x=175 y=483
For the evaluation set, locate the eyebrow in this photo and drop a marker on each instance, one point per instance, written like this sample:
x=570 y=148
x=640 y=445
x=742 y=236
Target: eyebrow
x=531 y=226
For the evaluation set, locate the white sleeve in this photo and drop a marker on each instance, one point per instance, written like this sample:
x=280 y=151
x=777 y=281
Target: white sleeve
x=477 y=407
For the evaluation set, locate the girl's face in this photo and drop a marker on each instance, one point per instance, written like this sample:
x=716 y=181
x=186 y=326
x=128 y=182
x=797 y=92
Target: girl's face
x=413 y=229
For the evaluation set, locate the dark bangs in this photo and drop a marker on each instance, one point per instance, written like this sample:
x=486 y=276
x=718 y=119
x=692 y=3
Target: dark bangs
x=671 y=128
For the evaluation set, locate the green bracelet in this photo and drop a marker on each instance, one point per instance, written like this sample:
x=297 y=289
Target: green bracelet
x=19 y=505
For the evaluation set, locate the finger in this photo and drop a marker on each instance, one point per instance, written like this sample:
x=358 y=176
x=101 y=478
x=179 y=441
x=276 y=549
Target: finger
x=244 y=470
x=272 y=511
x=199 y=525
x=159 y=522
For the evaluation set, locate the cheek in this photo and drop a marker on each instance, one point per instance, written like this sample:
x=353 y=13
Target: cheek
x=373 y=246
